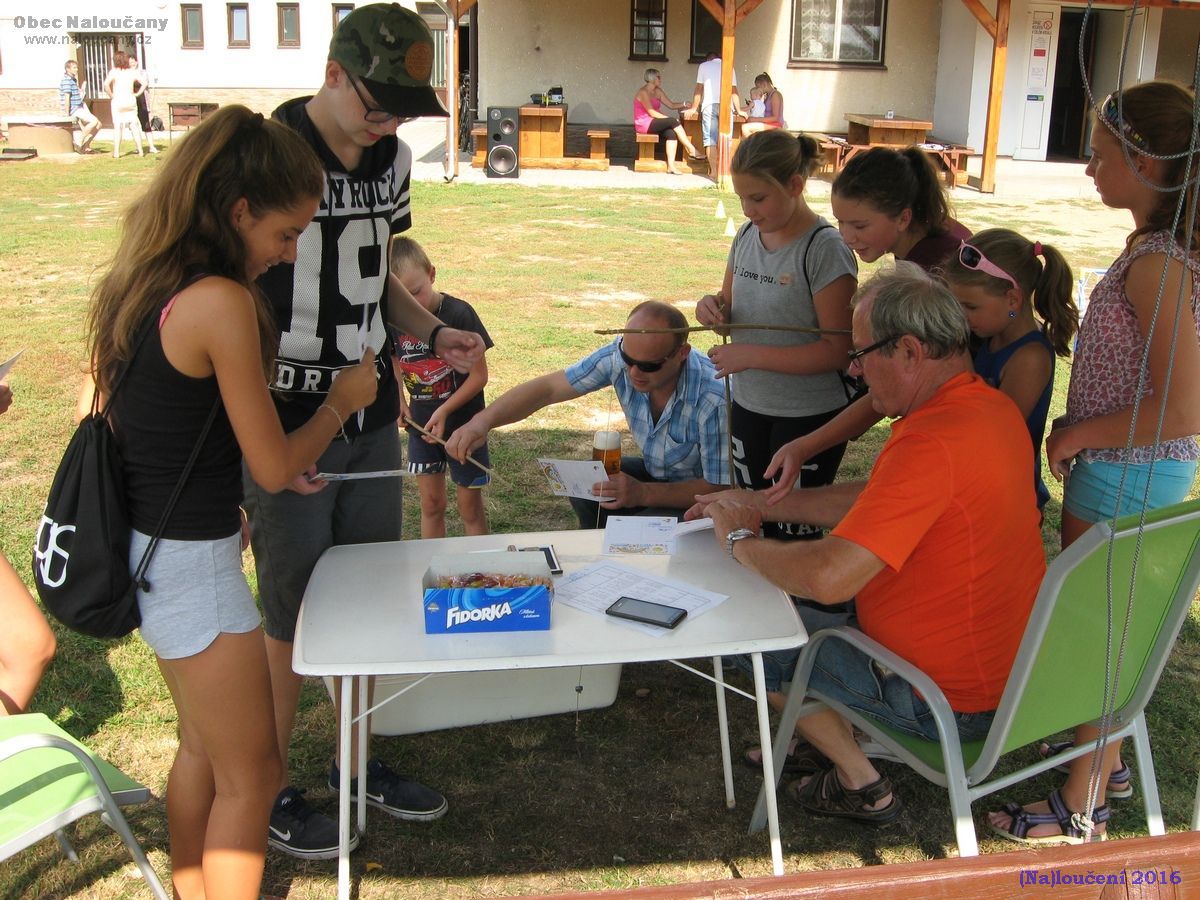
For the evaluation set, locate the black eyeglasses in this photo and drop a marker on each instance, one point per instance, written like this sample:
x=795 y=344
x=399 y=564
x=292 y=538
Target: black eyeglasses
x=855 y=356
x=647 y=367
x=372 y=114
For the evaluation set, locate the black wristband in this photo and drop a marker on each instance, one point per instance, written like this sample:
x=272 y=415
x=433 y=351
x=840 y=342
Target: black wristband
x=433 y=338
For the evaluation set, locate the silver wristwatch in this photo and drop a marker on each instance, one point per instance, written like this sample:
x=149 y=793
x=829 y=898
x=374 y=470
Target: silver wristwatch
x=738 y=534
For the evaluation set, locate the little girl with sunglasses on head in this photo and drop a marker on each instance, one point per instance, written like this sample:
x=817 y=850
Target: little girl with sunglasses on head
x=787 y=267
x=1001 y=280
x=1018 y=299
x=1115 y=461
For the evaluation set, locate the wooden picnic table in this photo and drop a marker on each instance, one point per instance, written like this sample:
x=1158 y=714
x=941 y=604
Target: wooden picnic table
x=877 y=130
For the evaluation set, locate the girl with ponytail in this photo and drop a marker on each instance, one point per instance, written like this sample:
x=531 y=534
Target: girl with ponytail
x=1019 y=299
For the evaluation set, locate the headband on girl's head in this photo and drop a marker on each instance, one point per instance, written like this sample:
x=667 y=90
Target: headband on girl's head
x=1110 y=113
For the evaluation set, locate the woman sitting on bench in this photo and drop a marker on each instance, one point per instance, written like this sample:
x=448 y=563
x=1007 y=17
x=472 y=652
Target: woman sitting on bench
x=648 y=119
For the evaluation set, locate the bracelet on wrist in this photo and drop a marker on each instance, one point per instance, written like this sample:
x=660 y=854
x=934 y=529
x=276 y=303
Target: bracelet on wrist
x=338 y=416
x=432 y=342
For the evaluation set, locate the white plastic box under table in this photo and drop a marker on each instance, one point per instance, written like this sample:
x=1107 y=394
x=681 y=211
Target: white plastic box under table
x=363 y=615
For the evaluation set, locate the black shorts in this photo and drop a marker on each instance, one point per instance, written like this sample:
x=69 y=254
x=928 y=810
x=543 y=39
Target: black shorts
x=664 y=128
x=756 y=438
x=425 y=458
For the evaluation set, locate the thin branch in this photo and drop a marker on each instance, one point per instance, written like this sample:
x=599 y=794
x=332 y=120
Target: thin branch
x=797 y=329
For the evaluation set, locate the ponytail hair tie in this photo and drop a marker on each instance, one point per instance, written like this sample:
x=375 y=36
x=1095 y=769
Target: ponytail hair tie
x=1037 y=248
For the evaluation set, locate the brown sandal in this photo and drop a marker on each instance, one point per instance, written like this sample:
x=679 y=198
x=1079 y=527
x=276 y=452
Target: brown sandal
x=825 y=795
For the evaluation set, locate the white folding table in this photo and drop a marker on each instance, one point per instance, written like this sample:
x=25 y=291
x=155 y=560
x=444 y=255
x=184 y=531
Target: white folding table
x=363 y=616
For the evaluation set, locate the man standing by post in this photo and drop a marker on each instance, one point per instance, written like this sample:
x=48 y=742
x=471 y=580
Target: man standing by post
x=329 y=305
x=70 y=98
x=707 y=99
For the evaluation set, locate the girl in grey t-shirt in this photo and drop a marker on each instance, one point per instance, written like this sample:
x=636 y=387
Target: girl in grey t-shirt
x=787 y=266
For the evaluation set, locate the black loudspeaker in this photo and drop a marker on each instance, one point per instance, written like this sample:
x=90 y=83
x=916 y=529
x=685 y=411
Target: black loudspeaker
x=503 y=125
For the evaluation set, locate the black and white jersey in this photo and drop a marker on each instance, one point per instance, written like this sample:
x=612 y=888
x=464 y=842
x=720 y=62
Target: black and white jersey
x=331 y=303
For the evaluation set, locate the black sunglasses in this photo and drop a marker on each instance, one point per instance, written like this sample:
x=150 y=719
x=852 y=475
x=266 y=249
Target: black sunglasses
x=373 y=114
x=647 y=367
x=856 y=355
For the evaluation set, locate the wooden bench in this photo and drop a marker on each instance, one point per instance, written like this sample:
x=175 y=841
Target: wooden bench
x=599 y=143
x=833 y=149
x=479 y=148
x=645 y=162
x=953 y=158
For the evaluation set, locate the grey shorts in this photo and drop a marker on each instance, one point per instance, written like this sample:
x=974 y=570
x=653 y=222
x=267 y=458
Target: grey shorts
x=197 y=591
x=289 y=532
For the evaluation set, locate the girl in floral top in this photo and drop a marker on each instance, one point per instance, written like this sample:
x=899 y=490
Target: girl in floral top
x=1117 y=459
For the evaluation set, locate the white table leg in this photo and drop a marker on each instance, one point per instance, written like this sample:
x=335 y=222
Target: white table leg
x=363 y=738
x=768 y=759
x=723 y=724
x=344 y=725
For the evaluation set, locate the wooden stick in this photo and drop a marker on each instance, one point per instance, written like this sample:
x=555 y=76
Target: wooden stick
x=798 y=329
x=430 y=434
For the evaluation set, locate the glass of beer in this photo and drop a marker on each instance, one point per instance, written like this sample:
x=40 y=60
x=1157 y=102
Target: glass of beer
x=606 y=449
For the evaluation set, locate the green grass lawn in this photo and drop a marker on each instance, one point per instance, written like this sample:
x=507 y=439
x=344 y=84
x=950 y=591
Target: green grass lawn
x=619 y=797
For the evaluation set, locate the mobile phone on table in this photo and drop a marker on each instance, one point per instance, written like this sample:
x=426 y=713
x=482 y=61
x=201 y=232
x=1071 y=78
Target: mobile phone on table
x=645 y=611
x=551 y=557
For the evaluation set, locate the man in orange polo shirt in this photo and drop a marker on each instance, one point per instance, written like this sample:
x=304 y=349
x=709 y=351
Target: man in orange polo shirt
x=940 y=548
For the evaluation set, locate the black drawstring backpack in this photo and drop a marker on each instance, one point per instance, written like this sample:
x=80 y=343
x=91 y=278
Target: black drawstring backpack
x=81 y=553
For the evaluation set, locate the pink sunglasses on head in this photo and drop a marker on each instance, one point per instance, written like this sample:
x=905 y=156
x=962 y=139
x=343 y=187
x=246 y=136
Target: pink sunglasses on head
x=972 y=258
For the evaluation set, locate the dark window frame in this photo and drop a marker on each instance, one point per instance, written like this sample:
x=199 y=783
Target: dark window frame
x=280 y=9
x=338 y=9
x=696 y=53
x=230 y=9
x=798 y=62
x=198 y=42
x=647 y=8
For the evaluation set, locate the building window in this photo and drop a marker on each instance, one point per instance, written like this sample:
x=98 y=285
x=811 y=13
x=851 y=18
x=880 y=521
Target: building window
x=848 y=32
x=289 y=24
x=706 y=32
x=193 y=24
x=340 y=11
x=239 y=24
x=648 y=30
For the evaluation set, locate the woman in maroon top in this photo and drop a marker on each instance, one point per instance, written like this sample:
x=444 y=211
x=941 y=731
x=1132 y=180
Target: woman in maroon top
x=885 y=201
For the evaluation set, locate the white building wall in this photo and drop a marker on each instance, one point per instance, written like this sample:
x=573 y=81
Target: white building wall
x=526 y=46
x=957 y=85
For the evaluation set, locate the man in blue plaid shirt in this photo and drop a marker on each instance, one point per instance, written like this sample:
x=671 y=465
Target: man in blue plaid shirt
x=70 y=98
x=672 y=400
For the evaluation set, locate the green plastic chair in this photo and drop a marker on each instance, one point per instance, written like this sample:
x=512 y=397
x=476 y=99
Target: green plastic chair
x=48 y=780
x=1057 y=680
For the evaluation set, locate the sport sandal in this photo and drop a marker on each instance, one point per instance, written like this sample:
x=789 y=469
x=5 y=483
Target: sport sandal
x=1022 y=820
x=1120 y=781
x=825 y=795
x=802 y=759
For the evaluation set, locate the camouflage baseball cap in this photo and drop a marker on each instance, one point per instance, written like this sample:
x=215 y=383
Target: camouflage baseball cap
x=390 y=49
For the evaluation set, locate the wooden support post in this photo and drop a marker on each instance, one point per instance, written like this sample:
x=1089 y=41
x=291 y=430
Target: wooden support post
x=991 y=132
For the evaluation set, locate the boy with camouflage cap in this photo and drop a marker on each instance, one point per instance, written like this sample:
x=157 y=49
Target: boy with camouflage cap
x=330 y=304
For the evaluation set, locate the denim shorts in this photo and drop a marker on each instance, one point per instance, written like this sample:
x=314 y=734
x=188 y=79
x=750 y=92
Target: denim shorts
x=780 y=665
x=1093 y=492
x=848 y=675
x=708 y=123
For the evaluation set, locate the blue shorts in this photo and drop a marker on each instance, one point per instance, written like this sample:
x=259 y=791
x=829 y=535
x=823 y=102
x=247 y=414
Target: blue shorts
x=708 y=123
x=846 y=674
x=1093 y=492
